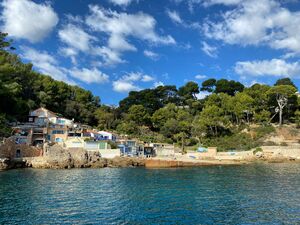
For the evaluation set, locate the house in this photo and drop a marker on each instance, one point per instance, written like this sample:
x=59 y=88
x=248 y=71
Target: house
x=108 y=135
x=46 y=126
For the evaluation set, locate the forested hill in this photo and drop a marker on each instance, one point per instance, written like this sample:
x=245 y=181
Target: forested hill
x=162 y=114
x=23 y=89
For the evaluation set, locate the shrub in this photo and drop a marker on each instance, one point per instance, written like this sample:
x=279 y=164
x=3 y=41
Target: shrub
x=259 y=149
x=283 y=144
x=262 y=131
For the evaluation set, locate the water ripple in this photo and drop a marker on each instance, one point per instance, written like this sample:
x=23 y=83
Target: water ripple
x=254 y=194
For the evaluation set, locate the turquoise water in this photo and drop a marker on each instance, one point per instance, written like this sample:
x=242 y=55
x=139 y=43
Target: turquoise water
x=255 y=194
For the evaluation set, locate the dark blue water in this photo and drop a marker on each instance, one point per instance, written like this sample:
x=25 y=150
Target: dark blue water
x=255 y=194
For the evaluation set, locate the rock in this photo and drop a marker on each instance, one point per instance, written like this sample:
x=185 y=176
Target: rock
x=5 y=164
x=259 y=154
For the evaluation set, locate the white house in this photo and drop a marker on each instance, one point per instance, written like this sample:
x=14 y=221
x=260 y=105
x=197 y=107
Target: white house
x=107 y=135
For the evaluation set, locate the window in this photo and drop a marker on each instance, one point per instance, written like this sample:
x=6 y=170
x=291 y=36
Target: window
x=57 y=132
x=61 y=121
x=18 y=153
x=58 y=140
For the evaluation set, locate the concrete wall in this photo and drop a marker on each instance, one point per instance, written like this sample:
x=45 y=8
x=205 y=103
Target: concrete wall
x=211 y=153
x=284 y=151
x=234 y=155
x=108 y=153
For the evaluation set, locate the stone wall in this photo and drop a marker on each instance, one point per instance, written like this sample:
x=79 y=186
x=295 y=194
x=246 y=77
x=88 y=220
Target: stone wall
x=281 y=151
x=9 y=149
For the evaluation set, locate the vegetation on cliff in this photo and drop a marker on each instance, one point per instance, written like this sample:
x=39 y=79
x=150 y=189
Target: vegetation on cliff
x=163 y=114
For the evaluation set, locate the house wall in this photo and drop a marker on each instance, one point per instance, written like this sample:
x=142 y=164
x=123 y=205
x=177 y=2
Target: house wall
x=53 y=137
x=9 y=150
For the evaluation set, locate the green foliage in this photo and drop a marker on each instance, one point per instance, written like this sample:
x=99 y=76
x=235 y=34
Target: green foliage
x=189 y=90
x=4 y=128
x=283 y=144
x=257 y=150
x=209 y=85
x=237 y=142
x=263 y=131
x=112 y=144
x=229 y=87
x=297 y=118
x=138 y=115
x=285 y=81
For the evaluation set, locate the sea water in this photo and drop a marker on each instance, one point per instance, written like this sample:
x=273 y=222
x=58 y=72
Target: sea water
x=251 y=194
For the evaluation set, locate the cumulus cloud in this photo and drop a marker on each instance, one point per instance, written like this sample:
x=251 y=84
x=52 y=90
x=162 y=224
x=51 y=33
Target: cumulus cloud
x=202 y=94
x=49 y=65
x=46 y=64
x=200 y=77
x=158 y=83
x=119 y=27
x=152 y=55
x=223 y=2
x=129 y=81
x=75 y=37
x=28 y=20
x=209 y=50
x=89 y=75
x=256 y=22
x=121 y=2
x=174 y=16
x=274 y=67
x=147 y=78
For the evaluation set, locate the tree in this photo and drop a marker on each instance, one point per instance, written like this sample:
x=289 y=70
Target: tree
x=229 y=87
x=212 y=117
x=160 y=117
x=189 y=90
x=105 y=117
x=285 y=81
x=138 y=114
x=282 y=93
x=242 y=105
x=209 y=85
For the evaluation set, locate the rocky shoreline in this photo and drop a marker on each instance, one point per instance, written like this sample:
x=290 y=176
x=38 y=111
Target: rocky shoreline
x=124 y=162
x=56 y=157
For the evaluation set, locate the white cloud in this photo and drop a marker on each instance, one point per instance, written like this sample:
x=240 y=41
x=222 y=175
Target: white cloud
x=152 y=55
x=89 y=75
x=158 y=83
x=223 y=2
x=200 y=77
x=75 y=37
x=128 y=82
x=28 y=20
x=121 y=2
x=174 y=16
x=209 y=50
x=109 y=56
x=274 y=67
x=202 y=94
x=147 y=78
x=256 y=22
x=46 y=64
x=124 y=86
x=120 y=27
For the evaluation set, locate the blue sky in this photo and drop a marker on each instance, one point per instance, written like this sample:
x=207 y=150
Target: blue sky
x=114 y=46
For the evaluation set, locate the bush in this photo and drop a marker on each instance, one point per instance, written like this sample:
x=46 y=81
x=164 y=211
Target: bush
x=269 y=143
x=262 y=131
x=238 y=141
x=283 y=144
x=257 y=150
x=112 y=144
